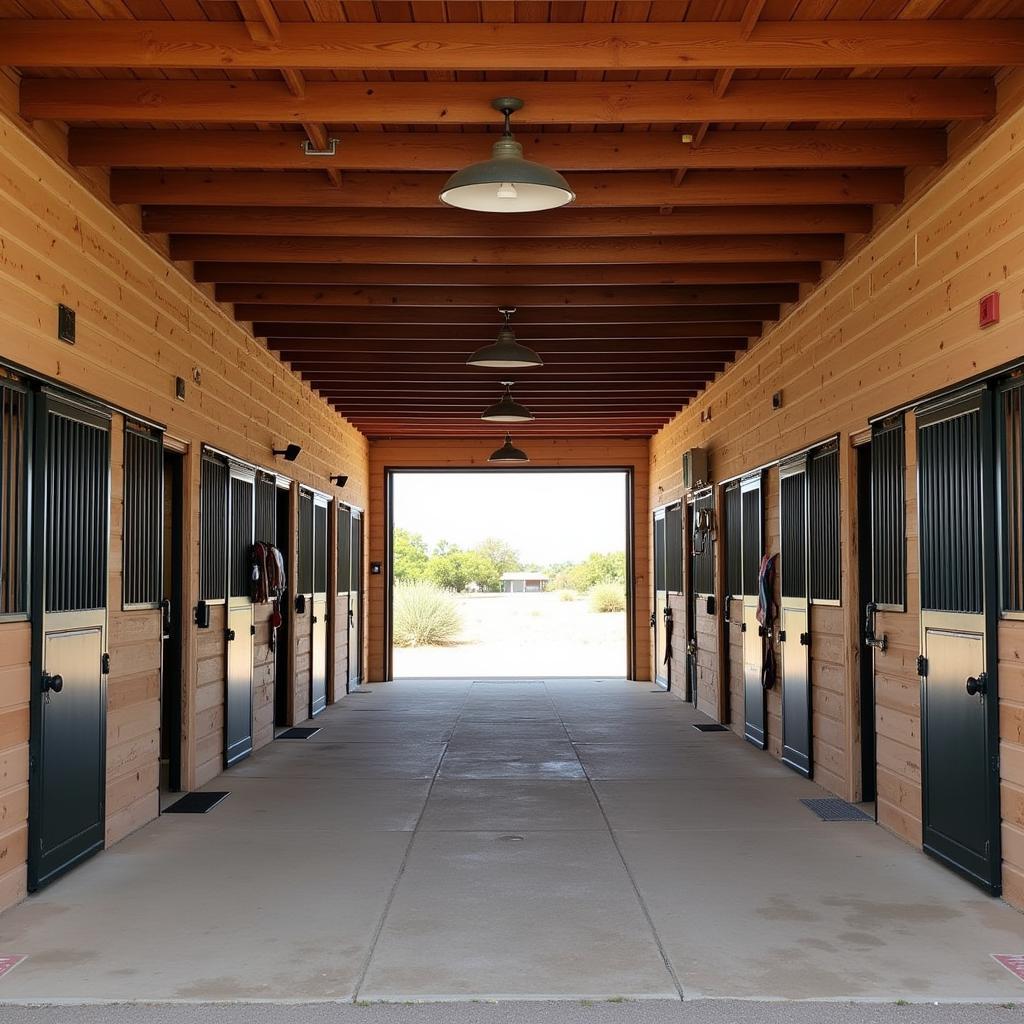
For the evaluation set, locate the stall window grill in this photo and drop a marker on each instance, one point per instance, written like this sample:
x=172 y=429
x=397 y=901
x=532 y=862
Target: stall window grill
x=824 y=524
x=266 y=508
x=320 y=548
x=793 y=501
x=888 y=515
x=951 y=523
x=751 y=527
x=344 y=549
x=659 y=553
x=1011 y=496
x=240 y=567
x=305 y=570
x=674 y=549
x=14 y=484
x=733 y=539
x=143 y=518
x=213 y=486
x=77 y=490
x=702 y=544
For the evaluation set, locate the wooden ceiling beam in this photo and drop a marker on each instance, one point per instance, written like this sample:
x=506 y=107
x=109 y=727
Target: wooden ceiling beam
x=490 y=320
x=657 y=46
x=568 y=151
x=283 y=329
x=471 y=279
x=509 y=252
x=621 y=189
x=690 y=370
x=152 y=101
x=570 y=223
x=537 y=301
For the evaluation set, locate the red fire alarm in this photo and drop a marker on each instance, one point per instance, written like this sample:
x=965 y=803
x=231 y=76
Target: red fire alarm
x=988 y=310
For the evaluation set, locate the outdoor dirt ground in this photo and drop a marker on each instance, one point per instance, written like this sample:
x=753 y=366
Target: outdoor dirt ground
x=524 y=634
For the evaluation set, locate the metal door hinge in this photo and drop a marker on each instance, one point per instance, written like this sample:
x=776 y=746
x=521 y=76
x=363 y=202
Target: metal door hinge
x=252 y=631
x=805 y=639
x=105 y=664
x=229 y=634
x=743 y=627
x=995 y=763
x=922 y=665
x=782 y=636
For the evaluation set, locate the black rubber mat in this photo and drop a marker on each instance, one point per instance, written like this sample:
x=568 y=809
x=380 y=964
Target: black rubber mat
x=299 y=732
x=709 y=727
x=831 y=808
x=195 y=803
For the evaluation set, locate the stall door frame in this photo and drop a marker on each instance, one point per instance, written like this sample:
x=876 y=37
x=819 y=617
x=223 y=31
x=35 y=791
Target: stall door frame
x=948 y=635
x=79 y=630
x=795 y=615
x=660 y=614
x=355 y=602
x=320 y=613
x=239 y=626
x=752 y=537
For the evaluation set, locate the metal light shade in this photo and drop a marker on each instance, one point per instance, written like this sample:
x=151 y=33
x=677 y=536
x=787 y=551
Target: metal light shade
x=508 y=452
x=507 y=410
x=505 y=353
x=507 y=183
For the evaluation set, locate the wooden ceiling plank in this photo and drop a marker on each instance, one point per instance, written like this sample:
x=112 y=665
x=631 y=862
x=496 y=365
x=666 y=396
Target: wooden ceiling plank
x=46 y=43
x=510 y=252
x=554 y=279
x=555 y=103
x=312 y=329
x=568 y=151
x=532 y=301
x=572 y=223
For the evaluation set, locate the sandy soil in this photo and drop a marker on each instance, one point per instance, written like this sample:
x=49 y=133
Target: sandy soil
x=524 y=634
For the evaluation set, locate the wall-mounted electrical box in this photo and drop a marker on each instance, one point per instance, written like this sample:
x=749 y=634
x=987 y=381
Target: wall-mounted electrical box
x=695 y=468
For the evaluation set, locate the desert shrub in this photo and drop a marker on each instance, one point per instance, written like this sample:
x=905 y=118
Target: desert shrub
x=567 y=595
x=425 y=616
x=607 y=597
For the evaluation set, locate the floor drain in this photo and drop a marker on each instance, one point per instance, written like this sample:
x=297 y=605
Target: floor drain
x=512 y=839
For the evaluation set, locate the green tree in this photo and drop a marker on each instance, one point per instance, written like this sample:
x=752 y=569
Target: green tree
x=502 y=556
x=409 y=557
x=597 y=567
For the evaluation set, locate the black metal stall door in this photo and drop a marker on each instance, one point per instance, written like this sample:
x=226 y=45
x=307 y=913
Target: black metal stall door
x=794 y=616
x=959 y=704
x=659 y=617
x=238 y=697
x=751 y=514
x=67 y=777
x=355 y=602
x=318 y=650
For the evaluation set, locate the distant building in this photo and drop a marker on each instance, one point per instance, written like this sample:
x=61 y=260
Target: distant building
x=523 y=582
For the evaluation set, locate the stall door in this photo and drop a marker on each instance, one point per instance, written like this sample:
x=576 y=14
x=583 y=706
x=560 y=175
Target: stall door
x=344 y=585
x=659 y=617
x=240 y=628
x=794 y=615
x=318 y=652
x=67 y=775
x=959 y=710
x=355 y=602
x=751 y=512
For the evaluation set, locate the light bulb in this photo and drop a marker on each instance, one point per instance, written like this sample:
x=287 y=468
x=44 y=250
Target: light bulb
x=506 y=190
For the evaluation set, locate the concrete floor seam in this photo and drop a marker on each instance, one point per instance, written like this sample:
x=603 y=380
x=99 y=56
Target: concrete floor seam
x=625 y=866
x=360 y=980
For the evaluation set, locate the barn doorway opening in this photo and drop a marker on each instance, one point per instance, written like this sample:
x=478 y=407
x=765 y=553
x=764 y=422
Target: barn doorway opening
x=509 y=573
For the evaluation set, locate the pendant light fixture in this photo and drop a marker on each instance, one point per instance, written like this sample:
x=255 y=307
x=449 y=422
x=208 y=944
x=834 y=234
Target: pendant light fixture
x=505 y=353
x=508 y=452
x=507 y=183
x=507 y=410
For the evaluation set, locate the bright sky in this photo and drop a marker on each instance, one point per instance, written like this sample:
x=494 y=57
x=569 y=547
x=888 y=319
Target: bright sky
x=546 y=517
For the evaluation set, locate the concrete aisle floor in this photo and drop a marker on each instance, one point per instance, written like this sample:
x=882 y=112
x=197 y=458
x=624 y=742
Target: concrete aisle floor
x=560 y=839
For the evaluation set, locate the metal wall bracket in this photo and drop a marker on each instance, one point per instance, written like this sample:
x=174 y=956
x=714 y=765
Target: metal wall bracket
x=309 y=149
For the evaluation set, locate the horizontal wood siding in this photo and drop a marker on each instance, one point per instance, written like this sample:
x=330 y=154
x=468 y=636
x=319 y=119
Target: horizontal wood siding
x=456 y=454
x=896 y=321
x=15 y=649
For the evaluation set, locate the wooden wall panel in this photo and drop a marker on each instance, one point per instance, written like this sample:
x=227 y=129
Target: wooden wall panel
x=546 y=453
x=263 y=677
x=1011 y=755
x=15 y=648
x=302 y=673
x=707 y=661
x=896 y=321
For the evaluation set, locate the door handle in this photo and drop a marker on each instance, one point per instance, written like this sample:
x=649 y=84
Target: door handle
x=352 y=617
x=977 y=684
x=870 y=639
x=654 y=619
x=52 y=684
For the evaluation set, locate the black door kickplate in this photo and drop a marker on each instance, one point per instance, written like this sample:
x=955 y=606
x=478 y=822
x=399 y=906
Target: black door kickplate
x=830 y=808
x=709 y=727
x=299 y=732
x=196 y=803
